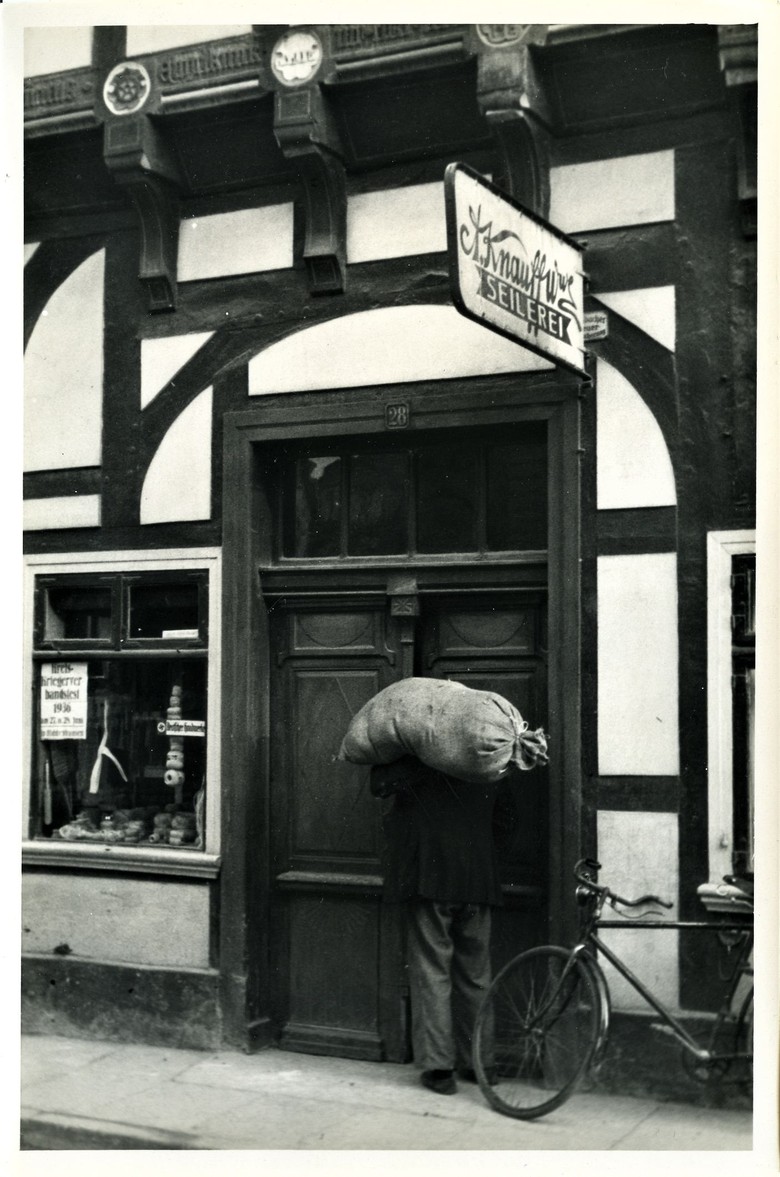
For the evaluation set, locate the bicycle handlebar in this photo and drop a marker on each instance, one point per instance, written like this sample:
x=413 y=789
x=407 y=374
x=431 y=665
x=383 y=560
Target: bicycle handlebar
x=591 y=884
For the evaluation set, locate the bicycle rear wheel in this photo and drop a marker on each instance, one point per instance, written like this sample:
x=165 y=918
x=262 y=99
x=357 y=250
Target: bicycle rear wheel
x=536 y=1032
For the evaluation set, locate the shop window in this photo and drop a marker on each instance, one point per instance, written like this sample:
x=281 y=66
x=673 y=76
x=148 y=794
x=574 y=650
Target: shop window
x=731 y=574
x=743 y=674
x=430 y=498
x=120 y=688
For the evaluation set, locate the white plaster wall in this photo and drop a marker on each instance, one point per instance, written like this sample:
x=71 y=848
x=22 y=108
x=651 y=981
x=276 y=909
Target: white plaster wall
x=61 y=512
x=49 y=50
x=605 y=194
x=247 y=241
x=63 y=374
x=638 y=853
x=161 y=359
x=397 y=222
x=29 y=250
x=652 y=309
x=154 y=38
x=386 y=346
x=117 y=919
x=177 y=486
x=637 y=665
x=633 y=466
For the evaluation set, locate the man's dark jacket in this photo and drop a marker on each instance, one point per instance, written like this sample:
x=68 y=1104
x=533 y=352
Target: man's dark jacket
x=438 y=835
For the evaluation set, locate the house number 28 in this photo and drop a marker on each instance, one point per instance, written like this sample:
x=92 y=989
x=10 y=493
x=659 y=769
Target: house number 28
x=396 y=416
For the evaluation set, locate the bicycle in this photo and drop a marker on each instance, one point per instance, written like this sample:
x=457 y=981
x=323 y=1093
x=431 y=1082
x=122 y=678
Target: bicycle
x=544 y=1023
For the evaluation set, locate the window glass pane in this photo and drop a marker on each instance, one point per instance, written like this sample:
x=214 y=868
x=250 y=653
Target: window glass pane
x=163 y=610
x=313 y=528
x=447 y=499
x=138 y=775
x=378 y=504
x=517 y=495
x=76 y=611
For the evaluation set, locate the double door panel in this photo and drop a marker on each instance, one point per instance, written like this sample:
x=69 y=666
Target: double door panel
x=337 y=951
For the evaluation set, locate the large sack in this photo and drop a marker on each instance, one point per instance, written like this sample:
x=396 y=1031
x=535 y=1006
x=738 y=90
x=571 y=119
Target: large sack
x=473 y=735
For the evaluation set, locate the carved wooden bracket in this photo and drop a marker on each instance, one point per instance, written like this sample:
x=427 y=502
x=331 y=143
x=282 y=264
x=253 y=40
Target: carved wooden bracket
x=308 y=137
x=138 y=158
x=738 y=47
x=511 y=100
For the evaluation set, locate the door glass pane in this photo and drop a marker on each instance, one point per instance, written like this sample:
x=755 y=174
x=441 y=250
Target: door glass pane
x=378 y=504
x=517 y=496
x=315 y=526
x=447 y=499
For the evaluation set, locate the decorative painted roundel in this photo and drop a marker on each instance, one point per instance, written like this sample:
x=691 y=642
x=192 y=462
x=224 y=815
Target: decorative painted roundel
x=127 y=88
x=296 y=57
x=501 y=34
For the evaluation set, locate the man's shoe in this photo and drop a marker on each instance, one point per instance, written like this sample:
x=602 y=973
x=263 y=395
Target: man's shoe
x=442 y=1082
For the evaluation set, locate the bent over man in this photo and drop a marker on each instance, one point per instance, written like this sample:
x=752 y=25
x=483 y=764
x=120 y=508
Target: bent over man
x=440 y=860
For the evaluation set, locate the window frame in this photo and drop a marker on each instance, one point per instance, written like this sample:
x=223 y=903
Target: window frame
x=145 y=859
x=721 y=547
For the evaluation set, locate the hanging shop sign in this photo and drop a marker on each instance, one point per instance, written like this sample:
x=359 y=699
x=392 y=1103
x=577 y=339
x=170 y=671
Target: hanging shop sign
x=512 y=272
x=64 y=701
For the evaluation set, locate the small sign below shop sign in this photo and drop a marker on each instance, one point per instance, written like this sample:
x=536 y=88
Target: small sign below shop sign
x=512 y=272
x=596 y=325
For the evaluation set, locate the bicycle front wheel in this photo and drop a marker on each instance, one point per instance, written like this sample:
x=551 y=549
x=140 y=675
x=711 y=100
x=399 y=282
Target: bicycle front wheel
x=536 y=1032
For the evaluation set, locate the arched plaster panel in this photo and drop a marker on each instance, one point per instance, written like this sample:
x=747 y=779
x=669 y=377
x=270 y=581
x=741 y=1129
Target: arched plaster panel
x=177 y=487
x=386 y=346
x=651 y=309
x=633 y=464
x=63 y=374
x=161 y=359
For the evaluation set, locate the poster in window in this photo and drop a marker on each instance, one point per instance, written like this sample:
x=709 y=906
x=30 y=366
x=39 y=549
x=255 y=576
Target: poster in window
x=64 y=701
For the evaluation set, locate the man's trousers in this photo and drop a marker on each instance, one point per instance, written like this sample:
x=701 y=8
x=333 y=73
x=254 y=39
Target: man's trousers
x=449 y=974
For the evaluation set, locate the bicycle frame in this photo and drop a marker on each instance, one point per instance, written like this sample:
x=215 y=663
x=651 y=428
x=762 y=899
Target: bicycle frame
x=590 y=937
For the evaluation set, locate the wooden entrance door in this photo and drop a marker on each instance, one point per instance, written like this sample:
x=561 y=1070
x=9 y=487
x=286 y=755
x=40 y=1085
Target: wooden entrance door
x=337 y=951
